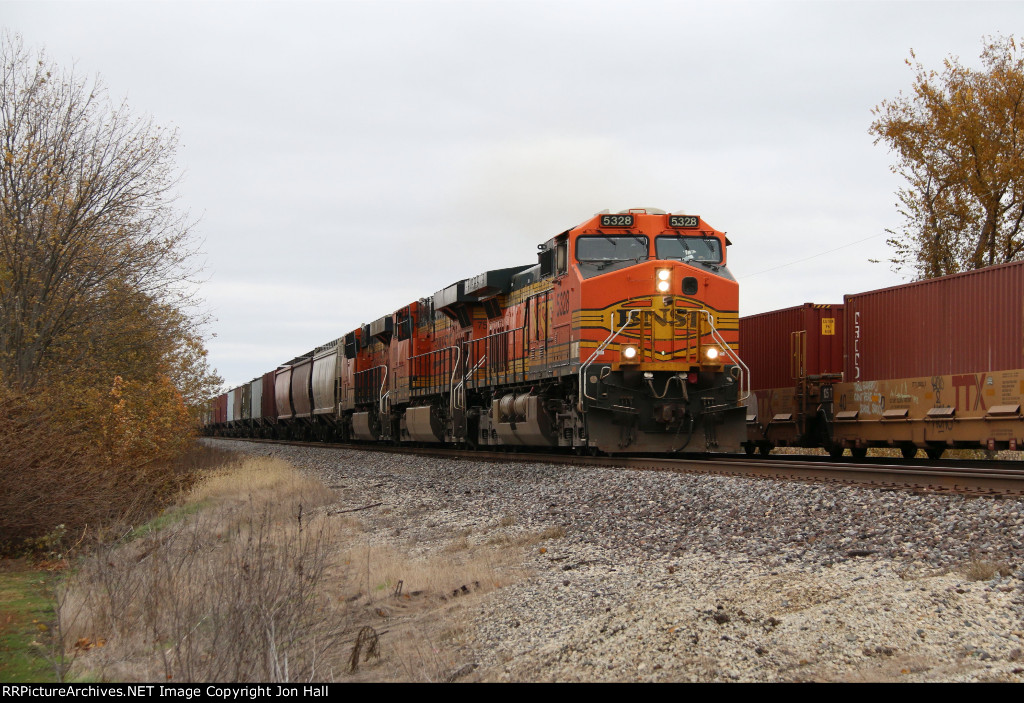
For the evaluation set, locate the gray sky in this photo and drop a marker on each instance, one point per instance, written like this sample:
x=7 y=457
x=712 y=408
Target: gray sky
x=346 y=158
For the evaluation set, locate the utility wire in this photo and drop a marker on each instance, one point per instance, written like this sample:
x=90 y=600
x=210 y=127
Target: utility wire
x=813 y=256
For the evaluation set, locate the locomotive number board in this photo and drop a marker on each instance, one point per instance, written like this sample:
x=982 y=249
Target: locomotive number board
x=616 y=220
x=683 y=221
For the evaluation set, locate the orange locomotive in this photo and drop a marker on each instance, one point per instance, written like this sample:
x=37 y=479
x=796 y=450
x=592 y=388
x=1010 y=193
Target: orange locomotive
x=623 y=337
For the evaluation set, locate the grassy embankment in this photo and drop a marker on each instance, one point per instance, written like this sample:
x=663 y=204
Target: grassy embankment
x=256 y=574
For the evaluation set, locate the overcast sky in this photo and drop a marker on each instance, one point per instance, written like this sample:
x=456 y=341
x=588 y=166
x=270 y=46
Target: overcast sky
x=346 y=158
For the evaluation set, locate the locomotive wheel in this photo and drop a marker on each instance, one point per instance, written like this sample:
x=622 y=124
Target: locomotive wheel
x=858 y=452
x=750 y=449
x=934 y=453
x=835 y=451
x=765 y=449
x=908 y=451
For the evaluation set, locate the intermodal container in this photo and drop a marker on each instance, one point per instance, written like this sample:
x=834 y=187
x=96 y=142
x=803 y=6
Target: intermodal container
x=772 y=346
x=965 y=323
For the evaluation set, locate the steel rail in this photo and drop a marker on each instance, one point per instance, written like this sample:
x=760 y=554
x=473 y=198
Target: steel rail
x=946 y=478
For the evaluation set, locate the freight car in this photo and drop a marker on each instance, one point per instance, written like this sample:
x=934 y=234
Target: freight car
x=622 y=337
x=930 y=365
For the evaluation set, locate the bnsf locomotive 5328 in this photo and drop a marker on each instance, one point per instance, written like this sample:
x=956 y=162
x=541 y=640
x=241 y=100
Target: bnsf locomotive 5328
x=621 y=338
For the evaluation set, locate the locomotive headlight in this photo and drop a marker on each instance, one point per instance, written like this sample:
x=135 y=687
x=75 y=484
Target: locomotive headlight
x=711 y=353
x=629 y=353
x=664 y=280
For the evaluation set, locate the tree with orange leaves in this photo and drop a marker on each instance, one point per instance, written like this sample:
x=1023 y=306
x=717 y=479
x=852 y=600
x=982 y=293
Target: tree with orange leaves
x=89 y=231
x=102 y=366
x=959 y=141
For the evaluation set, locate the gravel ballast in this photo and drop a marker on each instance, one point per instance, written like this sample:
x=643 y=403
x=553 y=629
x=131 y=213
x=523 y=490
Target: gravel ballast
x=656 y=576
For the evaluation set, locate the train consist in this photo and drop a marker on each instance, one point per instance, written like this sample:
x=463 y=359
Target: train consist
x=931 y=365
x=622 y=337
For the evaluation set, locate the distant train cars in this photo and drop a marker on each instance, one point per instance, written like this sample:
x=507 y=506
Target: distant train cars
x=623 y=337
x=930 y=365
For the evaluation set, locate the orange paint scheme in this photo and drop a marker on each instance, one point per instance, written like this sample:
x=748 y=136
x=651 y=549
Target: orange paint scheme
x=621 y=337
x=666 y=328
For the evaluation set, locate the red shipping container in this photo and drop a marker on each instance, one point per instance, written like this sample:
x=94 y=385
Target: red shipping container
x=768 y=347
x=965 y=323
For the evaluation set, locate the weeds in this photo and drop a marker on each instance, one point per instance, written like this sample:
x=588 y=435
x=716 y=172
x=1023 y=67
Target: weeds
x=232 y=594
x=369 y=639
x=257 y=576
x=986 y=570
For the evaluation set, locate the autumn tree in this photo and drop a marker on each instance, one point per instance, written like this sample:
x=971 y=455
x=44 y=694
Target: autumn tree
x=87 y=216
x=102 y=363
x=959 y=141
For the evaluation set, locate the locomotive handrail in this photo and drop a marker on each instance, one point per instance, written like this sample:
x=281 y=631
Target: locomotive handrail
x=383 y=395
x=597 y=352
x=462 y=382
x=415 y=375
x=473 y=370
x=485 y=342
x=453 y=404
x=453 y=388
x=370 y=371
x=744 y=369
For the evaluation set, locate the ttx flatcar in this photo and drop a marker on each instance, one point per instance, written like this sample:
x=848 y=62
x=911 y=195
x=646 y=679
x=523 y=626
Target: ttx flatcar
x=927 y=366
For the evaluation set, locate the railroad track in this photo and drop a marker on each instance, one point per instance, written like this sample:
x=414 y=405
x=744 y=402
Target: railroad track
x=971 y=478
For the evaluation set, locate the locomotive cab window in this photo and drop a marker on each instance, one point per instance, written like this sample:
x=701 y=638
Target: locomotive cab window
x=598 y=254
x=703 y=250
x=561 y=258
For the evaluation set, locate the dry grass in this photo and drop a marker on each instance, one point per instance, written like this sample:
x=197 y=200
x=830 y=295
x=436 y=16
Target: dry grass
x=421 y=605
x=251 y=577
x=439 y=575
x=525 y=539
x=986 y=570
x=232 y=590
x=265 y=481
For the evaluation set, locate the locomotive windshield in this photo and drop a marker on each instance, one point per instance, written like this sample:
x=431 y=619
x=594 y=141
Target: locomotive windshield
x=598 y=254
x=704 y=250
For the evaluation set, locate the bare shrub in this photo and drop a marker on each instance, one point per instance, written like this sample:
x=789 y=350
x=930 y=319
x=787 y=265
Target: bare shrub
x=57 y=471
x=234 y=593
x=986 y=570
